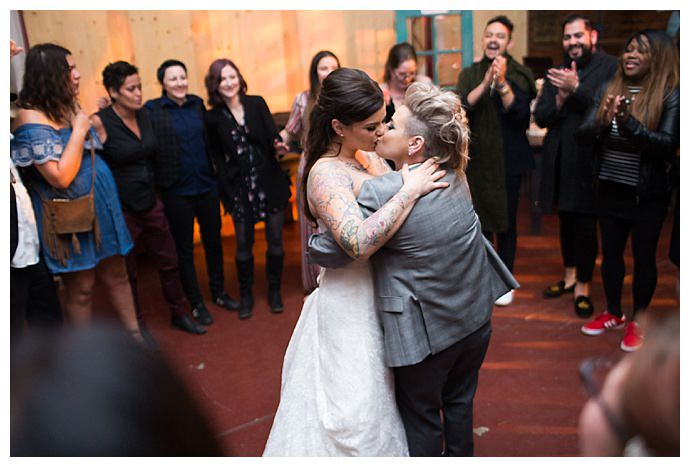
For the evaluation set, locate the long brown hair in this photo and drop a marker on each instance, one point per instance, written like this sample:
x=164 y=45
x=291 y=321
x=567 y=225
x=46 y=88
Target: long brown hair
x=661 y=79
x=399 y=53
x=47 y=84
x=314 y=88
x=348 y=95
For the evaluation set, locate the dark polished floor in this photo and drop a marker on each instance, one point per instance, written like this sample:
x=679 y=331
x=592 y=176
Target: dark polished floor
x=529 y=394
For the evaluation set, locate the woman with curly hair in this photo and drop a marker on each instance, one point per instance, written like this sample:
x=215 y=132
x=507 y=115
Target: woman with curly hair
x=53 y=141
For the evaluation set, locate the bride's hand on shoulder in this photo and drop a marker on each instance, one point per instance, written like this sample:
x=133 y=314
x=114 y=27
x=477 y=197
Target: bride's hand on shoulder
x=423 y=179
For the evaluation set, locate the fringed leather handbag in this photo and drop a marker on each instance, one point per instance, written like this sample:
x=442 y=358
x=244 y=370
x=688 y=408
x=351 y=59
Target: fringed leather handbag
x=64 y=218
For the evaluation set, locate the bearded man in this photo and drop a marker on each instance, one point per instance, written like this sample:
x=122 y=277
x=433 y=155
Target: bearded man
x=567 y=168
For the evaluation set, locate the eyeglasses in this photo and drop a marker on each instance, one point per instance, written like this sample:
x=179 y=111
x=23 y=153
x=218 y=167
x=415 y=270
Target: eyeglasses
x=593 y=372
x=404 y=76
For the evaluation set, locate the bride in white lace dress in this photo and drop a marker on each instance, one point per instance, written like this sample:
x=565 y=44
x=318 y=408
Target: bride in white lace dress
x=337 y=396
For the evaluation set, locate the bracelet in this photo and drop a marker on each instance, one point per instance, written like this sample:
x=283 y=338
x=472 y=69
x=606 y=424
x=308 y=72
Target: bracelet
x=505 y=90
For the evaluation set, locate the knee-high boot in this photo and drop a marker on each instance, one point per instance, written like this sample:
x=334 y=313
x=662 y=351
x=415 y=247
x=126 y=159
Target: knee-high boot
x=245 y=275
x=274 y=273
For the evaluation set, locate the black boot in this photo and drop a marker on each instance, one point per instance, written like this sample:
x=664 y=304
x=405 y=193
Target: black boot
x=274 y=272
x=245 y=275
x=186 y=323
x=201 y=314
x=226 y=301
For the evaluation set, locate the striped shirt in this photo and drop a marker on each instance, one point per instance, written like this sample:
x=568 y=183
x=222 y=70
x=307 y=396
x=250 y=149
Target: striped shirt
x=620 y=159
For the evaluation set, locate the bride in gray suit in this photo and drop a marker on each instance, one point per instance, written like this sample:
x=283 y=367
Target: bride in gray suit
x=337 y=395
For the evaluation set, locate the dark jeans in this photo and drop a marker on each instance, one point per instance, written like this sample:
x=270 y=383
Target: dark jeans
x=151 y=228
x=579 y=243
x=444 y=382
x=506 y=242
x=614 y=236
x=244 y=234
x=181 y=211
x=33 y=299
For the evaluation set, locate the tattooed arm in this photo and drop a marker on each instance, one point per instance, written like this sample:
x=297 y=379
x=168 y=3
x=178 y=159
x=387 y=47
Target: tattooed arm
x=332 y=199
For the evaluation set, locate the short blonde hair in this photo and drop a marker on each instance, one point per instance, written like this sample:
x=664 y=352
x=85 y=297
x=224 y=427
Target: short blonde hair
x=439 y=118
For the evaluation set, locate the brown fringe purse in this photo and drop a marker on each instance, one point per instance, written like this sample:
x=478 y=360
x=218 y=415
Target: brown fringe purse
x=64 y=218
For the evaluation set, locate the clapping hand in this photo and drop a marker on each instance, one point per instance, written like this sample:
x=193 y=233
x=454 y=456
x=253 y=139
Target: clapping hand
x=564 y=79
x=616 y=106
x=622 y=110
x=499 y=68
x=496 y=73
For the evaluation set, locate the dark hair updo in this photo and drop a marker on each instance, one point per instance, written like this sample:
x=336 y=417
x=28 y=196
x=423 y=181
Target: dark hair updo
x=348 y=95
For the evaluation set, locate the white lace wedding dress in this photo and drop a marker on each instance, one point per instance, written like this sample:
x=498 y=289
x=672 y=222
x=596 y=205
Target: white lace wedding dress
x=337 y=396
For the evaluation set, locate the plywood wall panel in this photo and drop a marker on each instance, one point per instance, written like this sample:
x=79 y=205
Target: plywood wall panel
x=272 y=48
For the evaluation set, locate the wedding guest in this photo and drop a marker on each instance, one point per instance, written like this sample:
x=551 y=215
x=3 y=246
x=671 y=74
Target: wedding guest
x=188 y=186
x=635 y=123
x=51 y=133
x=87 y=392
x=129 y=147
x=33 y=299
x=497 y=91
x=400 y=72
x=322 y=65
x=635 y=410
x=244 y=142
x=567 y=167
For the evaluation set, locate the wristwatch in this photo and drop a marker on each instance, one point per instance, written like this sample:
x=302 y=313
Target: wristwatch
x=504 y=89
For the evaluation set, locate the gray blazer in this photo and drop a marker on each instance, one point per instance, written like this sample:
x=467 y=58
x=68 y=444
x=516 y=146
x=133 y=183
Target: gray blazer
x=436 y=279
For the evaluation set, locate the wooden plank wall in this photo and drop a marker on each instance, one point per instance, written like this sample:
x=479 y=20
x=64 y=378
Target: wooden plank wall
x=273 y=49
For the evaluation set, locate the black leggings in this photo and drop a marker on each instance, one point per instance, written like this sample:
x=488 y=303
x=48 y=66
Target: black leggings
x=614 y=236
x=244 y=233
x=579 y=244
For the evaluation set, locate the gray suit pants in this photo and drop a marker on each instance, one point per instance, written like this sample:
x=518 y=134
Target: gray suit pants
x=445 y=382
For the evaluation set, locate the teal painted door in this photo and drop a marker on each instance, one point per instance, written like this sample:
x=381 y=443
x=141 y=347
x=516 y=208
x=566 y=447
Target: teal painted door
x=442 y=40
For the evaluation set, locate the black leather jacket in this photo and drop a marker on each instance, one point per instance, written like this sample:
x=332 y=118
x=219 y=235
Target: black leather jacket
x=657 y=147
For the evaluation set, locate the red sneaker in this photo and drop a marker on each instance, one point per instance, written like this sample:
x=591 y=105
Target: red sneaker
x=632 y=340
x=602 y=323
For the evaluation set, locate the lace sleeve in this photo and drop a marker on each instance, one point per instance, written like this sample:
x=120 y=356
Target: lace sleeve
x=36 y=144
